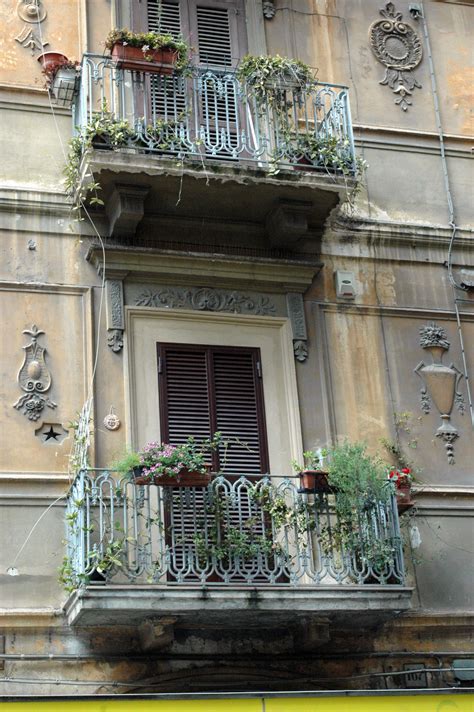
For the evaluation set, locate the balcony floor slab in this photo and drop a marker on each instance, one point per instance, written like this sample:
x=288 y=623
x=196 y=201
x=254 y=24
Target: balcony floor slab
x=214 y=604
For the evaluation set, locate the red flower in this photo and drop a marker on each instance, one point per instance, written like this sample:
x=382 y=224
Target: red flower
x=406 y=471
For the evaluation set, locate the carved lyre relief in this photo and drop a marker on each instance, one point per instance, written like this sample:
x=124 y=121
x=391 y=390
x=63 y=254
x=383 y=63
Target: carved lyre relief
x=34 y=378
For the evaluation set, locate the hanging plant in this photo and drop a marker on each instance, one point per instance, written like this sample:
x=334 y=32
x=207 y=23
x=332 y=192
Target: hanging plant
x=265 y=74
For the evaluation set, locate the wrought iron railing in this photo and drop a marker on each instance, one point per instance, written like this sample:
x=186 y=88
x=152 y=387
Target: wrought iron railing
x=209 y=114
x=244 y=530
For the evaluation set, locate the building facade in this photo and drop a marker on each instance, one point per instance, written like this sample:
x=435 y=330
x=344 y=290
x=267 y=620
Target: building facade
x=228 y=273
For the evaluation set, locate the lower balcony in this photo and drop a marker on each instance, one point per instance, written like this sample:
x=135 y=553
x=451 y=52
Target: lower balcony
x=253 y=548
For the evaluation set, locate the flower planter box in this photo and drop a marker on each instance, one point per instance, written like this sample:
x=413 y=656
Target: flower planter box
x=314 y=481
x=185 y=478
x=153 y=61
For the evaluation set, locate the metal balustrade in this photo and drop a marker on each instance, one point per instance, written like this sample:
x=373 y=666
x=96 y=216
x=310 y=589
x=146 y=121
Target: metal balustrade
x=208 y=114
x=239 y=530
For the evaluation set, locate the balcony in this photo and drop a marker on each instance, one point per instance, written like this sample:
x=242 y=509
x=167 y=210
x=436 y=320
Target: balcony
x=255 y=548
x=174 y=136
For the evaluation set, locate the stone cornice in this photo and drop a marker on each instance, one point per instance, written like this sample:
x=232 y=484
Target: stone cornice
x=184 y=268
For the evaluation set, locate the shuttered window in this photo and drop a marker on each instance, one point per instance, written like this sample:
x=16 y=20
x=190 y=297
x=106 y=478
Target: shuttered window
x=206 y=389
x=215 y=29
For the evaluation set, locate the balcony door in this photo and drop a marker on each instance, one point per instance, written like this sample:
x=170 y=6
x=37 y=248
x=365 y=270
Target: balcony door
x=208 y=389
x=207 y=104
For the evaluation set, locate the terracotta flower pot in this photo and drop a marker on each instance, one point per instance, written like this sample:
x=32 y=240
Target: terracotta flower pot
x=186 y=478
x=153 y=61
x=314 y=481
x=403 y=494
x=49 y=59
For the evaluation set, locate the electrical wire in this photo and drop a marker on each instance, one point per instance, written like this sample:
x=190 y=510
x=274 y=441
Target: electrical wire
x=131 y=683
x=449 y=199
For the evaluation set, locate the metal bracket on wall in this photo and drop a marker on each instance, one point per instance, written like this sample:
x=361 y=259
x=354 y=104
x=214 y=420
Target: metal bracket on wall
x=295 y=306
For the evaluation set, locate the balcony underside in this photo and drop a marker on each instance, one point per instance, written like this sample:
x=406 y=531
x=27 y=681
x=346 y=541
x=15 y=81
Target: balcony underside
x=264 y=606
x=152 y=200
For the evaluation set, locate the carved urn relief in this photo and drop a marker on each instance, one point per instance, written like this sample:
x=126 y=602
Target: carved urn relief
x=440 y=384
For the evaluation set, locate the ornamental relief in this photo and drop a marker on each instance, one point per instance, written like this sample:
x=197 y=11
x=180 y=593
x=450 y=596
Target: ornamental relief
x=205 y=299
x=34 y=378
x=440 y=385
x=398 y=47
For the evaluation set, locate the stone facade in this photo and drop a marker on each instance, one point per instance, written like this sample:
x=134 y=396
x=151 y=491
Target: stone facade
x=199 y=267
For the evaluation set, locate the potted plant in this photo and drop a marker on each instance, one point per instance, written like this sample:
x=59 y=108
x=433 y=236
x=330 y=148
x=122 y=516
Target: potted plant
x=268 y=75
x=313 y=478
x=402 y=480
x=170 y=465
x=147 y=51
x=359 y=481
x=62 y=75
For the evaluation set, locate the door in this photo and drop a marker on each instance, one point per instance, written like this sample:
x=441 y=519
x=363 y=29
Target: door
x=199 y=114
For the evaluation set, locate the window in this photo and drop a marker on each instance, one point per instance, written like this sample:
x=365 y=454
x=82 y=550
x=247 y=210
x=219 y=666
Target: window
x=205 y=389
x=215 y=29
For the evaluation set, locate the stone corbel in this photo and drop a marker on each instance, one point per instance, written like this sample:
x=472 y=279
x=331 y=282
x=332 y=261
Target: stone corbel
x=295 y=306
x=288 y=222
x=114 y=311
x=126 y=208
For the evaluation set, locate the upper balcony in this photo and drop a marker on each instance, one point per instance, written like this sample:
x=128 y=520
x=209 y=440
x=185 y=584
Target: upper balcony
x=156 y=143
x=255 y=548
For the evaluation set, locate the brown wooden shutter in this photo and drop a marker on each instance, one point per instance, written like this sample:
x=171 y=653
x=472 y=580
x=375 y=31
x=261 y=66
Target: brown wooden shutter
x=164 y=16
x=205 y=389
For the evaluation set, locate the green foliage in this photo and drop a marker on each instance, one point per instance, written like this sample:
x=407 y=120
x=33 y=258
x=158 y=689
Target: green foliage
x=266 y=74
x=360 y=484
x=148 y=41
x=356 y=475
x=125 y=464
x=312 y=460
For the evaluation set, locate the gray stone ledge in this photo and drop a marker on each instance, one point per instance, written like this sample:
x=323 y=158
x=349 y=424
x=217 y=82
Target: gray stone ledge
x=129 y=604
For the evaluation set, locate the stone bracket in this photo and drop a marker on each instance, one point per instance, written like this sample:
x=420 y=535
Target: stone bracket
x=125 y=208
x=156 y=634
x=312 y=634
x=114 y=311
x=295 y=306
x=288 y=222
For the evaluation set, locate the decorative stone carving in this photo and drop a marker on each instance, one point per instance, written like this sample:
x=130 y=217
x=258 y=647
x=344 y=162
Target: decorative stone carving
x=31 y=11
x=398 y=47
x=269 y=10
x=112 y=421
x=51 y=433
x=115 y=319
x=295 y=306
x=440 y=384
x=300 y=350
x=34 y=378
x=30 y=40
x=205 y=299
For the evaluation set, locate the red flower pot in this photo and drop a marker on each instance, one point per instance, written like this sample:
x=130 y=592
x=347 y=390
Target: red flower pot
x=314 y=481
x=153 y=61
x=48 y=60
x=403 y=494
